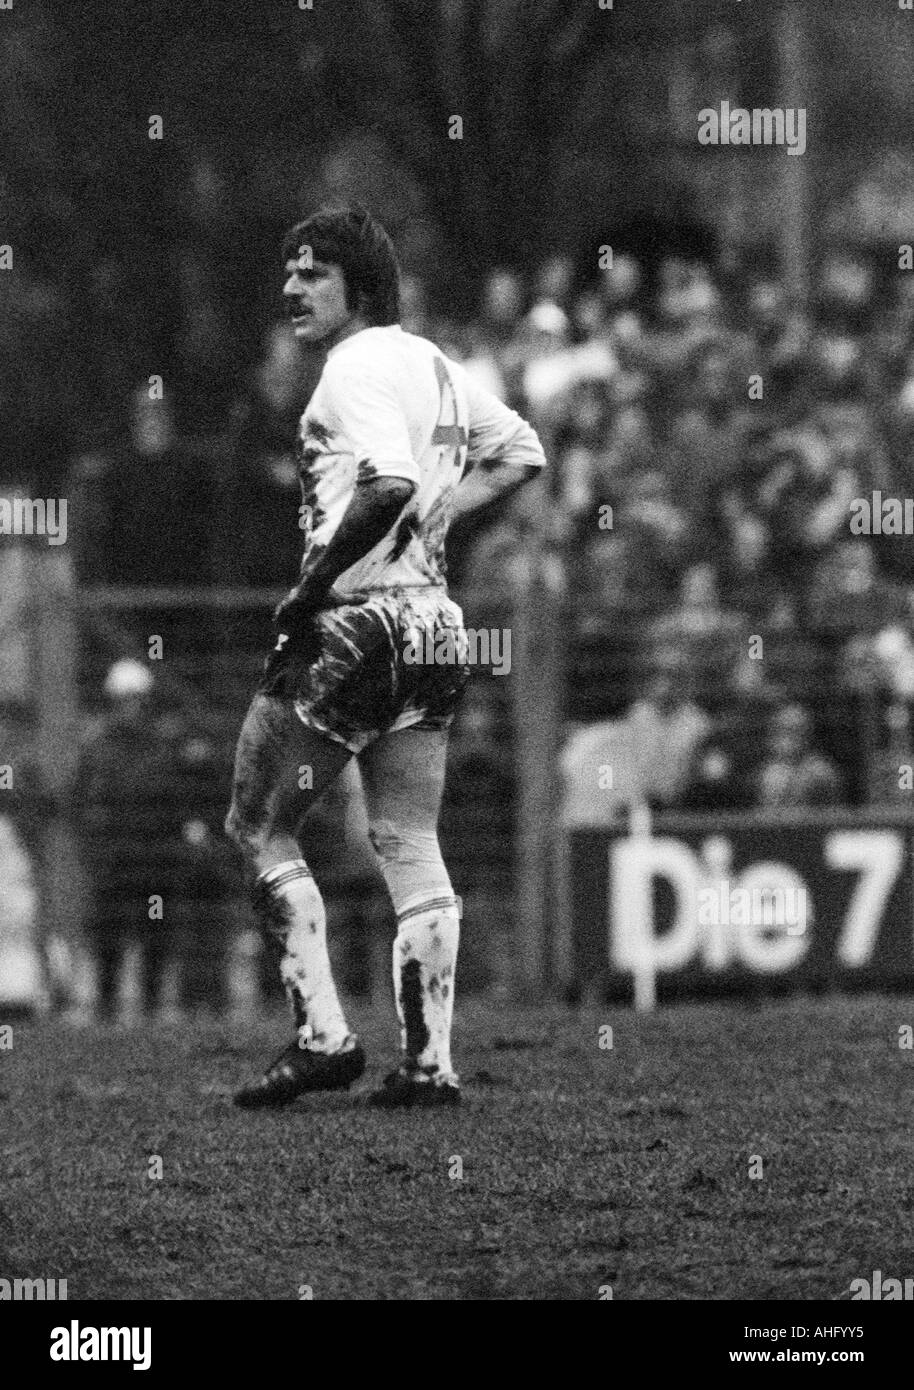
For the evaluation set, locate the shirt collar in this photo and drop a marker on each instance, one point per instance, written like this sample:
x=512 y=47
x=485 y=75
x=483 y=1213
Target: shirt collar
x=354 y=337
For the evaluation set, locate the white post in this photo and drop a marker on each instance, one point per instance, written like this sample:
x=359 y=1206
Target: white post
x=57 y=747
x=643 y=972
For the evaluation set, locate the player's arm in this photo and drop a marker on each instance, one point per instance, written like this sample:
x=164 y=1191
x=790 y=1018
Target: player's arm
x=375 y=506
x=491 y=479
x=504 y=453
x=373 y=424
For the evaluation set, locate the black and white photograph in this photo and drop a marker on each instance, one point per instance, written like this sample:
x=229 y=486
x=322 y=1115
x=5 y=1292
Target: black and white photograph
x=457 y=665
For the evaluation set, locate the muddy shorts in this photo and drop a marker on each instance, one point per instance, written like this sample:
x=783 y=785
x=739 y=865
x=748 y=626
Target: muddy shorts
x=396 y=660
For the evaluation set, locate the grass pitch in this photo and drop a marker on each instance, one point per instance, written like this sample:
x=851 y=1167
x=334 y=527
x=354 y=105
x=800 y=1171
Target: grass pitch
x=571 y=1167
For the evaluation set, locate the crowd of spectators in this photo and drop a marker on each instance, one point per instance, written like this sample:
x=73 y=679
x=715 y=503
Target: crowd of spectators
x=708 y=438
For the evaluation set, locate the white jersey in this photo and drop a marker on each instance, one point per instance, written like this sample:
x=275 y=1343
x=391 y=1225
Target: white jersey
x=391 y=405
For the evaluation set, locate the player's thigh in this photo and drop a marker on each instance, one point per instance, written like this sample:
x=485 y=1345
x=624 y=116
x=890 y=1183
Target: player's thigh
x=281 y=767
x=403 y=776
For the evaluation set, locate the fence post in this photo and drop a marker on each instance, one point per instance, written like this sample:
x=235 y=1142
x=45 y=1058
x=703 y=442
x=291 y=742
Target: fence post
x=796 y=77
x=56 y=743
x=537 y=699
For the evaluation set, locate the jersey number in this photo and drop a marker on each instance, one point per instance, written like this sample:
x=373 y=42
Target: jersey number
x=449 y=433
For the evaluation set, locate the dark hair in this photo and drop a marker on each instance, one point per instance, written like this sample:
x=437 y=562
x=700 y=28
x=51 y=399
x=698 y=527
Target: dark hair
x=350 y=238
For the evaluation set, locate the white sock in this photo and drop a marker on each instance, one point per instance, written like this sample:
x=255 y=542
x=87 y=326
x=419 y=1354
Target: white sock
x=295 y=917
x=424 y=960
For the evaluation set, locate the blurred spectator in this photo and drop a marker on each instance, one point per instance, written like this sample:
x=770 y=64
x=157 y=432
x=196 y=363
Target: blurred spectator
x=717 y=779
x=599 y=778
x=475 y=828
x=482 y=362
x=44 y=393
x=502 y=307
x=620 y=283
x=660 y=530
x=263 y=492
x=614 y=584
x=791 y=662
x=22 y=984
x=892 y=762
x=804 y=501
x=204 y=342
x=666 y=730
x=794 y=773
x=602 y=449
x=15 y=573
x=112 y=789
x=646 y=756
x=490 y=566
x=200 y=874
x=707 y=442
x=555 y=281
x=167 y=540
x=712 y=640
x=154 y=853
x=589 y=315
x=541 y=346
x=846 y=593
x=885 y=659
x=557 y=370
x=844 y=290
x=207 y=272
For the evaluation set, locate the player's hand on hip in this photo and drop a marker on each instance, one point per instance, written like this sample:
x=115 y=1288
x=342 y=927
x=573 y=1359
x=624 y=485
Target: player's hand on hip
x=294 y=615
x=297 y=614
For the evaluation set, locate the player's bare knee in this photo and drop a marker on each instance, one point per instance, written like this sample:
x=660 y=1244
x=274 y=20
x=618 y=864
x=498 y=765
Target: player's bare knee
x=401 y=846
x=409 y=858
x=386 y=840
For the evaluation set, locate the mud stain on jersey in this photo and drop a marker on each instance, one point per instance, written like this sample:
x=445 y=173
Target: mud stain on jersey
x=367 y=473
x=308 y=483
x=431 y=559
x=318 y=431
x=312 y=447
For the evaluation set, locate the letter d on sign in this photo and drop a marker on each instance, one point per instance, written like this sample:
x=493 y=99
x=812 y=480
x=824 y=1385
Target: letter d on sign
x=633 y=941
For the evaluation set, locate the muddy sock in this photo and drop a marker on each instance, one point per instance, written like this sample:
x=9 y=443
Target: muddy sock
x=424 y=962
x=292 y=907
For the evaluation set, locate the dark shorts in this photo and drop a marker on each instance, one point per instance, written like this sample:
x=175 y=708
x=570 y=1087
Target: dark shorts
x=395 y=661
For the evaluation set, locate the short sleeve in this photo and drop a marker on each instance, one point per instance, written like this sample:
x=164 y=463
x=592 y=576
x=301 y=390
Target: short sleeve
x=372 y=423
x=498 y=433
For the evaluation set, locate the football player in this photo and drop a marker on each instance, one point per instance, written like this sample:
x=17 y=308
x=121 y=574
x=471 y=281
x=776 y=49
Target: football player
x=396 y=442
